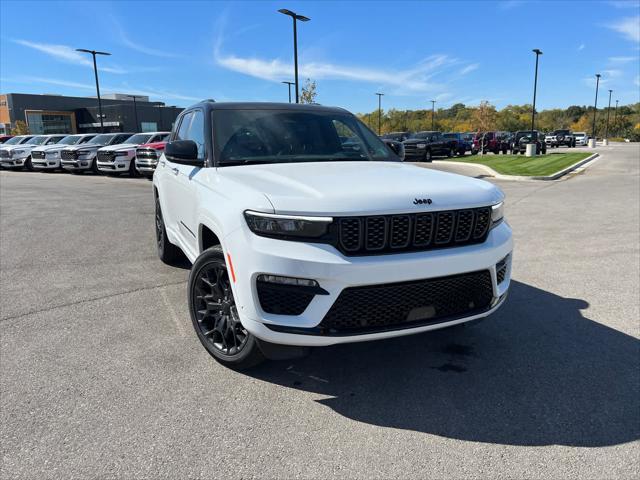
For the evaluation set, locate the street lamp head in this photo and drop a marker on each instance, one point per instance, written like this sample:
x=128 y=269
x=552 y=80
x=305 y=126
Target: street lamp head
x=302 y=18
x=610 y=91
x=598 y=75
x=537 y=51
x=381 y=94
x=92 y=52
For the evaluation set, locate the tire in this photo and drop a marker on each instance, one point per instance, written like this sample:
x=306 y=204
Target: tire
x=474 y=152
x=28 y=165
x=450 y=153
x=94 y=166
x=427 y=156
x=133 y=173
x=504 y=150
x=215 y=316
x=167 y=251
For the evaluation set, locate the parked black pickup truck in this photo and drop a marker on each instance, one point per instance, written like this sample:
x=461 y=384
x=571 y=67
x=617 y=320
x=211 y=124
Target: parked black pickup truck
x=423 y=146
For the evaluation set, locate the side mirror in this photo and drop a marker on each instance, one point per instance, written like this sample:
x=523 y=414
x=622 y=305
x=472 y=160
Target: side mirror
x=183 y=151
x=394 y=147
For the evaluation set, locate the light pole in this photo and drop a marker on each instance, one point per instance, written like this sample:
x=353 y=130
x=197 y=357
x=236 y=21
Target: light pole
x=595 y=109
x=135 y=109
x=289 y=84
x=295 y=18
x=538 y=52
x=615 y=119
x=379 y=110
x=606 y=131
x=95 y=71
x=433 y=112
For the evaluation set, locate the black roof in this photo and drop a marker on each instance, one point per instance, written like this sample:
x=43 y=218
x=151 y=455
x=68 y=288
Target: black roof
x=212 y=105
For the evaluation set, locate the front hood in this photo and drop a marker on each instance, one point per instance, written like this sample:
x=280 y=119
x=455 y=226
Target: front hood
x=19 y=147
x=120 y=147
x=154 y=145
x=50 y=148
x=360 y=188
x=84 y=146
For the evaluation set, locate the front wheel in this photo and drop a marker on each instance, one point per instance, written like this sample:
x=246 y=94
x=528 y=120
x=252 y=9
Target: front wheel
x=167 y=251
x=215 y=315
x=427 y=156
x=28 y=165
x=450 y=153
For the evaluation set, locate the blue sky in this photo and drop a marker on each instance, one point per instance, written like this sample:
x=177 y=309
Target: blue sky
x=454 y=51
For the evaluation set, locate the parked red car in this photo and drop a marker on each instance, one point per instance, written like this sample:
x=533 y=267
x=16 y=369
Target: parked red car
x=147 y=156
x=495 y=142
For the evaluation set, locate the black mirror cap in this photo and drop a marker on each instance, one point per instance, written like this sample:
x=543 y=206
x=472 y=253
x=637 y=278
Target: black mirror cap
x=182 y=151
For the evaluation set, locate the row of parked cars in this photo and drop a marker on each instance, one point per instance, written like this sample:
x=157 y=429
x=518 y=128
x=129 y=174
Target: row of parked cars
x=423 y=146
x=111 y=153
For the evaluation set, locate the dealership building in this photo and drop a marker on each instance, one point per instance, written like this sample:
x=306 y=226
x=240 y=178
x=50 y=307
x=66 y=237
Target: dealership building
x=46 y=114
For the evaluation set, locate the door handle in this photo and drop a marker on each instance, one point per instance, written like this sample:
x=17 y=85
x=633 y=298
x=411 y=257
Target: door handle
x=175 y=170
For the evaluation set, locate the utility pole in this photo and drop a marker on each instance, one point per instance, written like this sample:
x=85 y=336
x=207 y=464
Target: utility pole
x=433 y=113
x=295 y=17
x=595 y=109
x=379 y=111
x=289 y=84
x=538 y=52
x=615 y=119
x=606 y=134
x=95 y=71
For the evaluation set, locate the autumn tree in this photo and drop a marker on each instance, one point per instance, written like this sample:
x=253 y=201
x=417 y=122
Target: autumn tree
x=309 y=92
x=21 y=128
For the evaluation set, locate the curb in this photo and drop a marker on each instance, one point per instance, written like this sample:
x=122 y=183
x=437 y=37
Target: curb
x=490 y=171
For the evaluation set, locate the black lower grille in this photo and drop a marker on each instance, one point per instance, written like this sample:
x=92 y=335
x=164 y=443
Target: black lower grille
x=37 y=155
x=283 y=299
x=106 y=156
x=145 y=153
x=69 y=155
x=401 y=305
x=4 y=154
x=411 y=232
x=501 y=270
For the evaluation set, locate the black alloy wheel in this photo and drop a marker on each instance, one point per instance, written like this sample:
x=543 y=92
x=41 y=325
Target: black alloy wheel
x=215 y=315
x=167 y=251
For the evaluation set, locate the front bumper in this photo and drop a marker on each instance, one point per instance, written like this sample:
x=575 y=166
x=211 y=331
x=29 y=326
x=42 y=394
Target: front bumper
x=77 y=164
x=115 y=166
x=253 y=255
x=47 y=163
x=13 y=162
x=147 y=166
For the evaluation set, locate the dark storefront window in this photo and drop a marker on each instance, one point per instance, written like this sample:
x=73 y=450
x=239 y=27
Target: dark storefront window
x=42 y=123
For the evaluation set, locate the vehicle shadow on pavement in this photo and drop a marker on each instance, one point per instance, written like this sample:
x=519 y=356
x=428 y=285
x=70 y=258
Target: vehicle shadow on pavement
x=538 y=372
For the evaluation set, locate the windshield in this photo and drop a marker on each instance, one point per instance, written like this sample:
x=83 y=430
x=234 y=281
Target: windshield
x=70 y=140
x=450 y=135
x=100 y=139
x=13 y=141
x=138 y=138
x=580 y=134
x=421 y=135
x=37 y=141
x=526 y=134
x=284 y=136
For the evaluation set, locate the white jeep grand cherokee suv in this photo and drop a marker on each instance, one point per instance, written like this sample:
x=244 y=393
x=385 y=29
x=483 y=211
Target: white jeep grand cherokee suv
x=304 y=229
x=122 y=158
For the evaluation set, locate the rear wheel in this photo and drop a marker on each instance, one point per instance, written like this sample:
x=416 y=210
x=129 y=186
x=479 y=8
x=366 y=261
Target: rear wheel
x=215 y=315
x=28 y=165
x=94 y=166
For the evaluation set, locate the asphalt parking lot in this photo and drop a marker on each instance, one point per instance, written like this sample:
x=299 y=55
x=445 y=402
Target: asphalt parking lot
x=101 y=374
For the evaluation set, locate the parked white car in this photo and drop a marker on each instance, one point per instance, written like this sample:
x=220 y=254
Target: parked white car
x=121 y=158
x=299 y=238
x=582 y=139
x=80 y=158
x=18 y=156
x=47 y=157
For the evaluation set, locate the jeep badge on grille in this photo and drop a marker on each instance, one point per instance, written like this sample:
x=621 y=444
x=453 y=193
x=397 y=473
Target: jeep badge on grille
x=422 y=201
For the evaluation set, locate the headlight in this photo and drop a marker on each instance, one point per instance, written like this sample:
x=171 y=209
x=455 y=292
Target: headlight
x=16 y=152
x=421 y=145
x=122 y=154
x=269 y=225
x=85 y=152
x=497 y=214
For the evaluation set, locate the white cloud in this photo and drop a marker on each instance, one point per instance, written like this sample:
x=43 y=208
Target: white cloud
x=628 y=27
x=625 y=3
x=619 y=60
x=125 y=40
x=469 y=68
x=581 y=47
x=66 y=54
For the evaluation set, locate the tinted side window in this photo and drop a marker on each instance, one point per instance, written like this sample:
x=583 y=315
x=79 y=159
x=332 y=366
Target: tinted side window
x=86 y=139
x=196 y=132
x=183 y=131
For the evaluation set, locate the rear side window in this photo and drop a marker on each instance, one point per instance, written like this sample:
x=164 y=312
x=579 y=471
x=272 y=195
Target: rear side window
x=196 y=132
